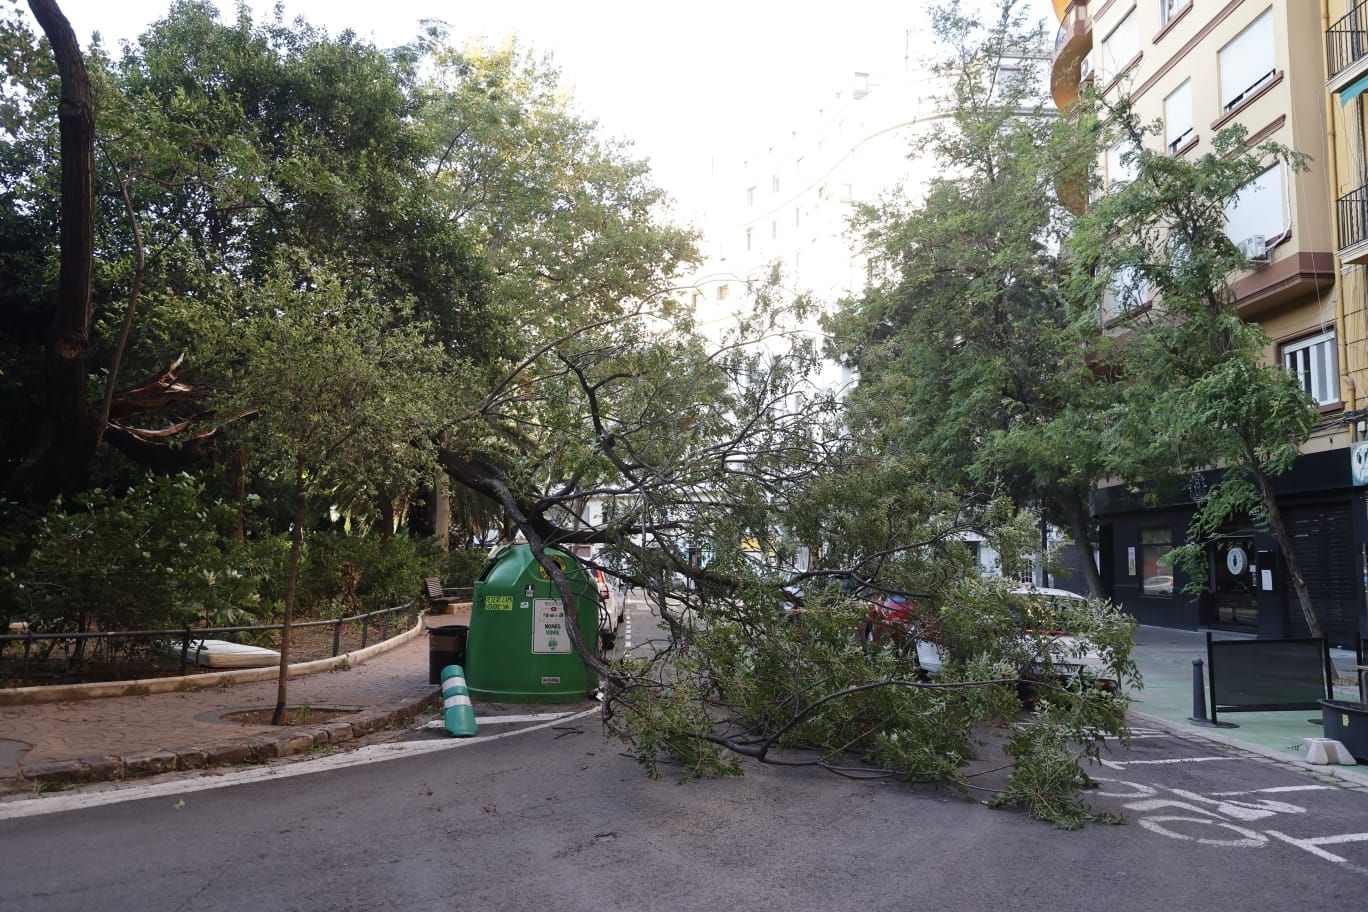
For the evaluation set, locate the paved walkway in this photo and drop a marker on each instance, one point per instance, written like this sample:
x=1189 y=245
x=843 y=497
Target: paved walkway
x=1165 y=659
x=118 y=737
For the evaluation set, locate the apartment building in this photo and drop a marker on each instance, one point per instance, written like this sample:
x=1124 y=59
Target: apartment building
x=1196 y=67
x=787 y=204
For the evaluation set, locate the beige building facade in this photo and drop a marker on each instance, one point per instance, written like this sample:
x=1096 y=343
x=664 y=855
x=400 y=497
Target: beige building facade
x=1195 y=67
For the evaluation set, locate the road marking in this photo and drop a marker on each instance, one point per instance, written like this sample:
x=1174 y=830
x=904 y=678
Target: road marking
x=1275 y=789
x=1122 y=764
x=374 y=753
x=499 y=720
x=1314 y=844
x=1250 y=840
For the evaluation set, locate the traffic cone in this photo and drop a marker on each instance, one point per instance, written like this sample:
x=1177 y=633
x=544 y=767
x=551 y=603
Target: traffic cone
x=457 y=712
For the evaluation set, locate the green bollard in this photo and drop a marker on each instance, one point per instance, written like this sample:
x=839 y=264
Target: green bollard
x=457 y=712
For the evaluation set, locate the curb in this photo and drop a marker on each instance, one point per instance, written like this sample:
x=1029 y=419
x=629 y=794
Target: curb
x=289 y=741
x=66 y=693
x=1348 y=776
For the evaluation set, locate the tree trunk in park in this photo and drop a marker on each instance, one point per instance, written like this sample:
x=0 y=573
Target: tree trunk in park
x=237 y=473
x=385 y=504
x=61 y=451
x=441 y=511
x=1080 y=528
x=291 y=585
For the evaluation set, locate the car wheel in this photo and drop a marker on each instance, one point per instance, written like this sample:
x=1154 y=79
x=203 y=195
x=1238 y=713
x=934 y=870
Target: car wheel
x=606 y=642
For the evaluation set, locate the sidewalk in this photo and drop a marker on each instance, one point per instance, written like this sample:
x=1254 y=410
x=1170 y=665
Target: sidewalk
x=1165 y=656
x=129 y=736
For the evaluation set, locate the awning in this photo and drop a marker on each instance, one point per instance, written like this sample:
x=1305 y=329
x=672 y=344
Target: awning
x=1353 y=90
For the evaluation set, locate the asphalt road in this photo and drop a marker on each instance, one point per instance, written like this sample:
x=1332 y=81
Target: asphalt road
x=553 y=817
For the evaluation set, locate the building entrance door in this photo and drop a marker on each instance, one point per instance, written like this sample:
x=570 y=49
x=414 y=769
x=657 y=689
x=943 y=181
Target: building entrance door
x=1234 y=594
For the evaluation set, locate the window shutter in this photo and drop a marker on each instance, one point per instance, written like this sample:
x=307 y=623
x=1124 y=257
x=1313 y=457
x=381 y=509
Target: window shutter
x=1178 y=116
x=1247 y=59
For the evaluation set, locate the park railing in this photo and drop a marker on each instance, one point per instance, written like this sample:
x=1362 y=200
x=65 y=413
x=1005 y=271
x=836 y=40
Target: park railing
x=20 y=652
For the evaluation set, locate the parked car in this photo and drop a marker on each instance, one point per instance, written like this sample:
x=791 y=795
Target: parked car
x=1074 y=660
x=1066 y=658
x=898 y=618
x=610 y=612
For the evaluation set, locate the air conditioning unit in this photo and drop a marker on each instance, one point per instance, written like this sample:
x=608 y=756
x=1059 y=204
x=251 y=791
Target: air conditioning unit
x=1085 y=68
x=1255 y=249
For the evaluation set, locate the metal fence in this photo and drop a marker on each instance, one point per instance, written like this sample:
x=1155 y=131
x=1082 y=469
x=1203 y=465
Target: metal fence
x=1353 y=217
x=21 y=652
x=1347 y=40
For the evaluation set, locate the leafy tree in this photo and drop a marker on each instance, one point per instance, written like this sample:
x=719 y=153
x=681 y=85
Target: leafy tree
x=966 y=344
x=1199 y=389
x=336 y=389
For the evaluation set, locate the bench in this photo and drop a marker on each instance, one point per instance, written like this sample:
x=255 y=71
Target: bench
x=436 y=595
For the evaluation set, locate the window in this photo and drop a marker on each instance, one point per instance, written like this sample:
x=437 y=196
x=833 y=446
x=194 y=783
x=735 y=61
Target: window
x=1120 y=47
x=1169 y=9
x=796 y=216
x=750 y=196
x=774 y=229
x=722 y=292
x=1258 y=208
x=1313 y=361
x=1122 y=165
x=774 y=184
x=1247 y=62
x=748 y=240
x=1127 y=291
x=1178 y=117
x=1156 y=570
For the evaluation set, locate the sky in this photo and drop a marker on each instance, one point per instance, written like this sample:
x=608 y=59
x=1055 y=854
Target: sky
x=684 y=83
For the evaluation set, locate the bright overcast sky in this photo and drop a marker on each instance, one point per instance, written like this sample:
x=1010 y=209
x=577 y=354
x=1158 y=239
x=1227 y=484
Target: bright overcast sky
x=681 y=81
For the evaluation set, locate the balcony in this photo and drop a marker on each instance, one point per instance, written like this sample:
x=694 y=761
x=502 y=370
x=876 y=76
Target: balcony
x=1073 y=43
x=1346 y=47
x=1353 y=226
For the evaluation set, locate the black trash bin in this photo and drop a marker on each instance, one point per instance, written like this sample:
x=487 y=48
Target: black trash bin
x=446 y=646
x=1347 y=723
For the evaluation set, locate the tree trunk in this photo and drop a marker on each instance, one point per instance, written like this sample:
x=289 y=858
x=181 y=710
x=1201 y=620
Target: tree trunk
x=237 y=469
x=1080 y=528
x=1279 y=530
x=441 y=511
x=66 y=441
x=291 y=585
x=385 y=503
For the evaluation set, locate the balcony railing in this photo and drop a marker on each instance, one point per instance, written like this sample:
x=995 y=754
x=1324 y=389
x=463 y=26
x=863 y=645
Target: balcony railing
x=1347 y=40
x=1353 y=218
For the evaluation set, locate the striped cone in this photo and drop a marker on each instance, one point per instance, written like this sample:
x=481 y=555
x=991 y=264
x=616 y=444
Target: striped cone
x=456 y=709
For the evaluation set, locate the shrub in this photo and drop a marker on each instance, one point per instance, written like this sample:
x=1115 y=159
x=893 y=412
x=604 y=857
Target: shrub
x=347 y=574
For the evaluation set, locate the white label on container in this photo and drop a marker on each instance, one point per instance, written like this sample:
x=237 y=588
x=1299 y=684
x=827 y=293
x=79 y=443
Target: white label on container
x=1267 y=578
x=550 y=679
x=548 y=627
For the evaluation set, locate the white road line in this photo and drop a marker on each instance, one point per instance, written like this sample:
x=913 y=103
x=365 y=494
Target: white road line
x=1314 y=847
x=1278 y=788
x=499 y=720
x=374 y=753
x=1122 y=764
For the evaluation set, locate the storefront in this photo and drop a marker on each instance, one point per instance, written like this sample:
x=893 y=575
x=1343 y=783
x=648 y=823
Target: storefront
x=1245 y=585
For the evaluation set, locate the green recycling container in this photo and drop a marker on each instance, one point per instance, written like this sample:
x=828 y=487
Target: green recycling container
x=518 y=650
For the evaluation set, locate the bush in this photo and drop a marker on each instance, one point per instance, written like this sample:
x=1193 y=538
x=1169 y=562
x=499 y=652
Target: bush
x=349 y=574
x=148 y=557
x=461 y=566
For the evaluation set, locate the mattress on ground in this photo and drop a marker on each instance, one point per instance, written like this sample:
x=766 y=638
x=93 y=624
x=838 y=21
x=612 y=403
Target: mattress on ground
x=223 y=654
